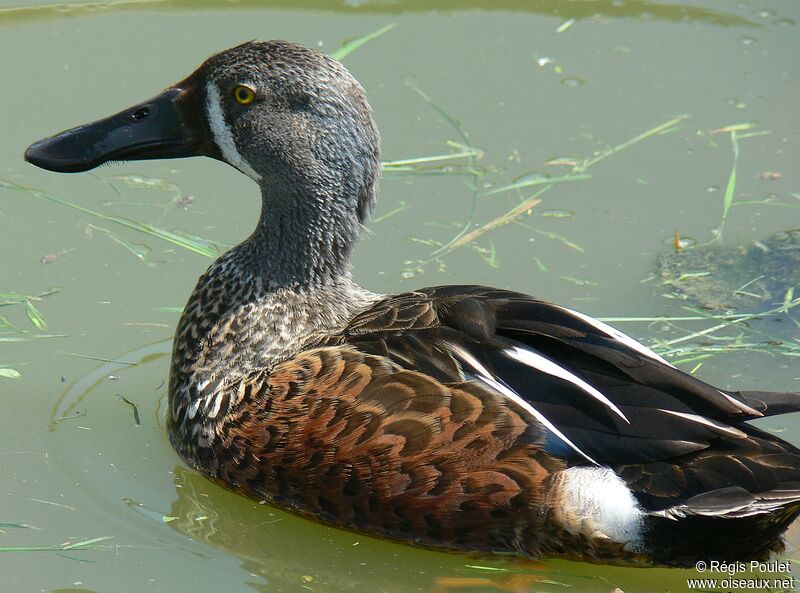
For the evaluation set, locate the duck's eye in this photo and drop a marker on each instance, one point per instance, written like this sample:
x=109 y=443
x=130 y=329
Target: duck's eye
x=244 y=95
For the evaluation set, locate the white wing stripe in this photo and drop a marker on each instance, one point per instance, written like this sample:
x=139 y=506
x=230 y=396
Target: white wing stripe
x=729 y=430
x=742 y=406
x=616 y=334
x=485 y=376
x=545 y=365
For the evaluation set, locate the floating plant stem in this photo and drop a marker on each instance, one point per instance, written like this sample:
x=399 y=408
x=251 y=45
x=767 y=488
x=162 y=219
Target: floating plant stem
x=195 y=244
x=88 y=544
x=730 y=187
x=505 y=218
x=440 y=164
x=9 y=373
x=735 y=131
x=540 y=181
x=17 y=333
x=456 y=241
x=666 y=127
x=578 y=173
x=354 y=44
x=768 y=343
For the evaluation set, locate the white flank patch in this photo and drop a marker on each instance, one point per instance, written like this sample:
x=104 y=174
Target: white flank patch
x=222 y=133
x=617 y=335
x=545 y=365
x=602 y=503
x=192 y=411
x=485 y=376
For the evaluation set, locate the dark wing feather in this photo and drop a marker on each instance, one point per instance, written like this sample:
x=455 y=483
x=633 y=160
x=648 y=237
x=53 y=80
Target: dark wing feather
x=680 y=438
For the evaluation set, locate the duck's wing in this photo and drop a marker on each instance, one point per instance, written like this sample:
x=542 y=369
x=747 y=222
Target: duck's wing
x=358 y=441
x=599 y=396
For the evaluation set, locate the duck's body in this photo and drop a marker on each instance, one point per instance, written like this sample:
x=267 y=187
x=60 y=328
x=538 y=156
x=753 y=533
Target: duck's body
x=424 y=417
x=457 y=417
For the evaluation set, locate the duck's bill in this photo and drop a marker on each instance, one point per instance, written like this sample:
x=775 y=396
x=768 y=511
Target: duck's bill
x=154 y=129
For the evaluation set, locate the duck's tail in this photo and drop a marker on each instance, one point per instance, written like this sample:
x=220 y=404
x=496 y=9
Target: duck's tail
x=771 y=403
x=707 y=538
x=740 y=496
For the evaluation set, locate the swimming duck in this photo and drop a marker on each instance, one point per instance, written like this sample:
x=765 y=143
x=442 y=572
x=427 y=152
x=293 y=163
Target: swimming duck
x=456 y=417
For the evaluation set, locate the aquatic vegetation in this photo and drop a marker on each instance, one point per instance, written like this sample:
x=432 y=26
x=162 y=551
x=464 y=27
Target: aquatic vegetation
x=13 y=332
x=737 y=278
x=468 y=235
x=195 y=244
x=727 y=333
x=87 y=544
x=354 y=44
x=730 y=186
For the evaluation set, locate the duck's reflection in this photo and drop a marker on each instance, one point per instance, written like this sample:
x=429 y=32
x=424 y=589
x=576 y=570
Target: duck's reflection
x=284 y=552
x=281 y=552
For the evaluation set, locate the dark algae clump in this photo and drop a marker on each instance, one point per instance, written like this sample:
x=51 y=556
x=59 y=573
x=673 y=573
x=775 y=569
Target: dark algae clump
x=745 y=278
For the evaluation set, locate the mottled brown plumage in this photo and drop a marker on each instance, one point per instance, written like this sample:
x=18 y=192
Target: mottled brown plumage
x=458 y=417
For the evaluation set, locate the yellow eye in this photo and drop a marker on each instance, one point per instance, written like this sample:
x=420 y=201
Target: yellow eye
x=244 y=95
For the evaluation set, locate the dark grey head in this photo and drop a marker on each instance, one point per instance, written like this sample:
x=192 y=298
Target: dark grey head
x=291 y=118
x=305 y=121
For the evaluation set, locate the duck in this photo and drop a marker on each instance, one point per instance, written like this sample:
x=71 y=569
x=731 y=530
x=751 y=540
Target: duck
x=461 y=418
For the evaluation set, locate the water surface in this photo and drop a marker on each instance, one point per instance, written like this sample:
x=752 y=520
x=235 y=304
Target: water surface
x=524 y=82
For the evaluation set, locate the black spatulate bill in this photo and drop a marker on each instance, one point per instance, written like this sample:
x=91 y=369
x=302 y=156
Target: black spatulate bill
x=155 y=129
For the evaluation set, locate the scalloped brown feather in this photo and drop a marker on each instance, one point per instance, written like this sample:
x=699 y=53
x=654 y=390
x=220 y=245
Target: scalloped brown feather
x=359 y=442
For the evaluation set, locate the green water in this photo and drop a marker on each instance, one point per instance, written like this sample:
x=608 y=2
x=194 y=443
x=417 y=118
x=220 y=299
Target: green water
x=525 y=82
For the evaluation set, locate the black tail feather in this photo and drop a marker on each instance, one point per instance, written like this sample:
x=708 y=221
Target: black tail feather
x=771 y=403
x=684 y=542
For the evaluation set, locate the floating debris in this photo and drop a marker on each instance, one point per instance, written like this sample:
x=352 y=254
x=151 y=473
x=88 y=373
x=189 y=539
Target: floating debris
x=132 y=405
x=679 y=242
x=553 y=213
x=563 y=161
x=565 y=25
x=573 y=82
x=184 y=202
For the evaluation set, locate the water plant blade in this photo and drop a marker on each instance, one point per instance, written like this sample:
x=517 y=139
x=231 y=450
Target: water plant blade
x=34 y=315
x=195 y=244
x=666 y=127
x=730 y=187
x=539 y=181
x=87 y=544
x=354 y=44
x=9 y=373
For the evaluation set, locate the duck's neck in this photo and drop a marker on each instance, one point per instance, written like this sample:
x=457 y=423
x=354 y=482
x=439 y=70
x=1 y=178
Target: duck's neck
x=281 y=290
x=286 y=288
x=303 y=240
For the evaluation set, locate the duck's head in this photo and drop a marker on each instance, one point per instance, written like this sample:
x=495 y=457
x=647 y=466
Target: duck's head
x=291 y=118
